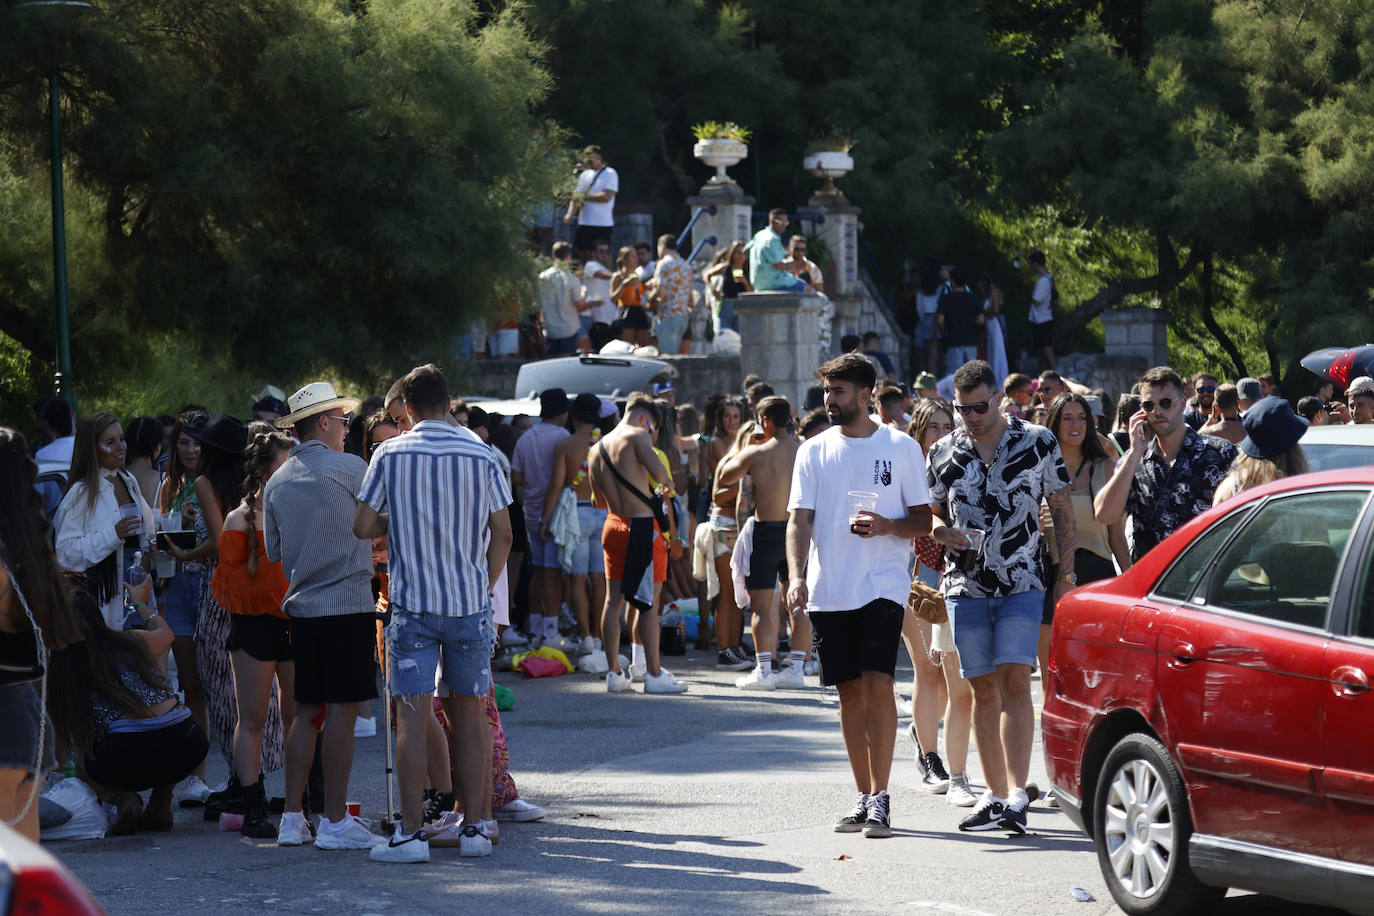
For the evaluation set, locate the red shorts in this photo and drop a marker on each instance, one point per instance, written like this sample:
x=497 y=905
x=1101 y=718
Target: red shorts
x=636 y=557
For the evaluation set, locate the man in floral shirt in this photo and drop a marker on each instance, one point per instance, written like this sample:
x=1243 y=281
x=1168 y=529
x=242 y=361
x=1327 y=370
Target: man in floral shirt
x=1168 y=478
x=672 y=295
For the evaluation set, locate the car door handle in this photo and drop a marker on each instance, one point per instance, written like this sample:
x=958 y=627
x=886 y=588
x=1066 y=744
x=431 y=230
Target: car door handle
x=1349 y=681
x=1182 y=654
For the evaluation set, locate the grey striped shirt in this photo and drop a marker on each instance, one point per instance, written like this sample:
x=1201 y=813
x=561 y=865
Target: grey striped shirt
x=308 y=509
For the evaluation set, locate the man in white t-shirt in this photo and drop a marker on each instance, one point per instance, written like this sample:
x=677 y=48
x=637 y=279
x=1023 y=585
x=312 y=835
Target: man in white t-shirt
x=596 y=288
x=1042 y=310
x=593 y=203
x=855 y=561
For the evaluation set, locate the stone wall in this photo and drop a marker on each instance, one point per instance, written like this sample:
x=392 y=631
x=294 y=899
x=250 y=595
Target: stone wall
x=779 y=341
x=1138 y=331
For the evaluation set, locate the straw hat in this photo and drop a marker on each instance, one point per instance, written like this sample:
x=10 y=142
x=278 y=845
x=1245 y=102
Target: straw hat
x=315 y=398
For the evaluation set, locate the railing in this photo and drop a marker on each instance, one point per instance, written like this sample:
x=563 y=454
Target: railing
x=709 y=240
x=687 y=230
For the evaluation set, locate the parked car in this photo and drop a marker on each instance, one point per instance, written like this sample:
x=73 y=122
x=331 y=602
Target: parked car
x=1348 y=445
x=32 y=881
x=1207 y=712
x=608 y=376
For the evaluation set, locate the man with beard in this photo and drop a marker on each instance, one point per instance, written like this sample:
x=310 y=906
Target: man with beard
x=1205 y=389
x=858 y=498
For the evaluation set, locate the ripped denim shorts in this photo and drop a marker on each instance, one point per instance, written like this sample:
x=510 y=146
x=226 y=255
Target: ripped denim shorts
x=417 y=643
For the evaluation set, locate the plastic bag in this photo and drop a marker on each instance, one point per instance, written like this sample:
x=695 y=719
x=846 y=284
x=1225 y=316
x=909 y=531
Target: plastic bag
x=593 y=664
x=88 y=820
x=539 y=666
x=553 y=654
x=505 y=698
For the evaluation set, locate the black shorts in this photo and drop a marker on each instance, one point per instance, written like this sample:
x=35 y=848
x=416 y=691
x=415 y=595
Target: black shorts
x=848 y=643
x=768 y=559
x=137 y=761
x=265 y=637
x=634 y=316
x=335 y=658
x=1042 y=335
x=586 y=237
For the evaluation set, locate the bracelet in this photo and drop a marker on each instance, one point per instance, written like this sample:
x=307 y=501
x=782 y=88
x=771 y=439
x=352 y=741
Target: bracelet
x=139 y=604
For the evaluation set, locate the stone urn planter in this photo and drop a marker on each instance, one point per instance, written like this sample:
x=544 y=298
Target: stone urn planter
x=829 y=165
x=720 y=154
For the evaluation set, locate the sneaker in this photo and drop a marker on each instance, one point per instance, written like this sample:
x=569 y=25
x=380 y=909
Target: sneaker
x=812 y=668
x=365 y=727
x=936 y=780
x=563 y=644
x=402 y=849
x=586 y=646
x=960 y=794
x=986 y=815
x=903 y=707
x=879 y=823
x=191 y=792
x=473 y=842
x=445 y=832
x=617 y=682
x=349 y=833
x=757 y=680
x=519 y=811
x=790 y=678
x=854 y=821
x=637 y=673
x=730 y=660
x=294 y=829
x=1013 y=819
x=513 y=637
x=664 y=682
x=920 y=754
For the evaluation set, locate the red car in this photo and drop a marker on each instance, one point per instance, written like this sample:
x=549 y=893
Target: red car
x=1208 y=716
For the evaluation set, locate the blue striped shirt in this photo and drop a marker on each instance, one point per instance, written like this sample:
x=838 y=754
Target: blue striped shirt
x=440 y=487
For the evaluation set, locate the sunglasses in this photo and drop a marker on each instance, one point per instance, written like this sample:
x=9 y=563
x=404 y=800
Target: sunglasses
x=1206 y=389
x=1162 y=404
x=980 y=408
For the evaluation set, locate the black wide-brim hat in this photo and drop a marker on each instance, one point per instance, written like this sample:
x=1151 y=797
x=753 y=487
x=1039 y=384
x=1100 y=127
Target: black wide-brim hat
x=1271 y=428
x=223 y=432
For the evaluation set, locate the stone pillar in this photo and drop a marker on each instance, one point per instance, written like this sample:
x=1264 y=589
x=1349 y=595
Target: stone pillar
x=633 y=223
x=731 y=221
x=837 y=224
x=1138 y=331
x=778 y=341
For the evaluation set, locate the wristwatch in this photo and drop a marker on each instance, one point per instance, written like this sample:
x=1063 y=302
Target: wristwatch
x=1071 y=578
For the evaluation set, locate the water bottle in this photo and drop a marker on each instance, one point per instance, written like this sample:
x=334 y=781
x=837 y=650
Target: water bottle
x=135 y=576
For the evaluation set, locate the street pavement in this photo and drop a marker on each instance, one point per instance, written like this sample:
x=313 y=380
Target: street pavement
x=708 y=802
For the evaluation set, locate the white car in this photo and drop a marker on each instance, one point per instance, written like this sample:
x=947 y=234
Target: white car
x=1347 y=445
x=606 y=376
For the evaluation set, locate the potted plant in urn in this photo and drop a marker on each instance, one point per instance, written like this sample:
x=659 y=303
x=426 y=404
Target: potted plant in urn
x=720 y=145
x=828 y=158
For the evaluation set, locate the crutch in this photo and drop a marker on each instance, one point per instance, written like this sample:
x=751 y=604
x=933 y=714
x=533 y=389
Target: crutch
x=387 y=822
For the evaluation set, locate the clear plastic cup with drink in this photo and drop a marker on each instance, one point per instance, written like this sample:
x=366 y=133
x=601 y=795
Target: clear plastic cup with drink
x=860 y=501
x=968 y=558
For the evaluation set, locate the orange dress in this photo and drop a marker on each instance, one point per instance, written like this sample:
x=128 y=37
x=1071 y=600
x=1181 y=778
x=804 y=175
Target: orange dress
x=237 y=591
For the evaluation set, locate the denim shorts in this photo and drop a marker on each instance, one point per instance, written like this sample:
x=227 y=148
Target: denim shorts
x=669 y=330
x=417 y=642
x=543 y=551
x=588 y=557
x=181 y=601
x=995 y=631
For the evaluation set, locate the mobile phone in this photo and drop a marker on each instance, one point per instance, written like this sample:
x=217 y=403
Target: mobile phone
x=805 y=275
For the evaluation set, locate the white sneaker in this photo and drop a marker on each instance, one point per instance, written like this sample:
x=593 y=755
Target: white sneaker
x=617 y=682
x=790 y=678
x=663 y=682
x=293 y=830
x=637 y=673
x=960 y=795
x=191 y=792
x=365 y=727
x=586 y=646
x=757 y=680
x=812 y=668
x=513 y=637
x=492 y=829
x=349 y=833
x=473 y=842
x=518 y=810
x=903 y=707
x=402 y=849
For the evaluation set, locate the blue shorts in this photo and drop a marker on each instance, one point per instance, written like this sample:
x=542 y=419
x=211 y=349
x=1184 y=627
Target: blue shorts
x=995 y=631
x=561 y=346
x=181 y=602
x=416 y=642
x=588 y=557
x=543 y=551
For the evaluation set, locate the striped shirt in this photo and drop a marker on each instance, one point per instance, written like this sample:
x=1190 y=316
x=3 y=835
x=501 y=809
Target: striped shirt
x=307 y=526
x=440 y=486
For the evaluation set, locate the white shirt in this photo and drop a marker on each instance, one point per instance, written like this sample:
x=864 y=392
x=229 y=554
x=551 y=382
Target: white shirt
x=646 y=270
x=845 y=571
x=57 y=450
x=589 y=182
x=1040 y=311
x=596 y=288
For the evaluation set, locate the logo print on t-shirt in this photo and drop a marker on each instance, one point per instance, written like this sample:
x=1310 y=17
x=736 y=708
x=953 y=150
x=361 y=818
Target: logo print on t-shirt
x=882 y=472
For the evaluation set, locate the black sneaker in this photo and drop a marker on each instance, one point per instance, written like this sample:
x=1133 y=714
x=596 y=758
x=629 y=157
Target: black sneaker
x=879 y=823
x=920 y=755
x=732 y=660
x=936 y=779
x=854 y=821
x=1013 y=819
x=987 y=815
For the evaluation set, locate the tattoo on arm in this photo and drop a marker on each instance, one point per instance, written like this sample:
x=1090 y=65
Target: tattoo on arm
x=1065 y=526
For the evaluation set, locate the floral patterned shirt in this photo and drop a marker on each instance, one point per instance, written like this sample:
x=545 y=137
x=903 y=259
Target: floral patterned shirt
x=674 y=278
x=1163 y=496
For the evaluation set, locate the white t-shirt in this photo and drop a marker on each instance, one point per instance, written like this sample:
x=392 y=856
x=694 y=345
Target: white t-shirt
x=845 y=571
x=593 y=213
x=598 y=288
x=1040 y=310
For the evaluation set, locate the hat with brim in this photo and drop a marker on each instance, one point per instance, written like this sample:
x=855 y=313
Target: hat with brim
x=927 y=380
x=1271 y=428
x=315 y=398
x=223 y=432
x=553 y=402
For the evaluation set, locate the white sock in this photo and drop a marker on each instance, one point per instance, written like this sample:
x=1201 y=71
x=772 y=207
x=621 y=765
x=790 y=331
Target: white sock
x=550 y=627
x=536 y=624
x=765 y=660
x=798 y=659
x=1017 y=797
x=637 y=656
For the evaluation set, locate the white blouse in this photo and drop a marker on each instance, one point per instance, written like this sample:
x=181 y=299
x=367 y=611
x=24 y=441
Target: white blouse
x=85 y=536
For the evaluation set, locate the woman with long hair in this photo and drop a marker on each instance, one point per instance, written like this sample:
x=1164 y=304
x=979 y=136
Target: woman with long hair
x=936 y=681
x=1071 y=420
x=119 y=717
x=103 y=514
x=627 y=292
x=733 y=271
x=251 y=588
x=1269 y=451
x=35 y=617
x=145 y=436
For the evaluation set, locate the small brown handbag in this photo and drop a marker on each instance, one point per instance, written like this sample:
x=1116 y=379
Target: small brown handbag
x=926 y=602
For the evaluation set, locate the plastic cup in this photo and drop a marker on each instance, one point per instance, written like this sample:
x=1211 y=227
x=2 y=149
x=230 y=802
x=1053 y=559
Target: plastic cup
x=355 y=809
x=230 y=823
x=861 y=501
x=976 y=537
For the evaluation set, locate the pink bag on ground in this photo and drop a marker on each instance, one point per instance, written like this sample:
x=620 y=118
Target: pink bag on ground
x=537 y=666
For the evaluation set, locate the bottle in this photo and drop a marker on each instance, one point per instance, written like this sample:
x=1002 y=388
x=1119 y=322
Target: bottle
x=135 y=576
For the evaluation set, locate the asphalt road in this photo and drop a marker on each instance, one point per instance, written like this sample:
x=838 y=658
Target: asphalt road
x=707 y=802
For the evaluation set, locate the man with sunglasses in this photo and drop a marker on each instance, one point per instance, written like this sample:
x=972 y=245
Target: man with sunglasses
x=990 y=475
x=1170 y=472
x=1199 y=413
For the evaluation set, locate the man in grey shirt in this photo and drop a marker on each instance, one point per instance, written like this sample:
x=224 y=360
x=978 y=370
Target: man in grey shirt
x=308 y=509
